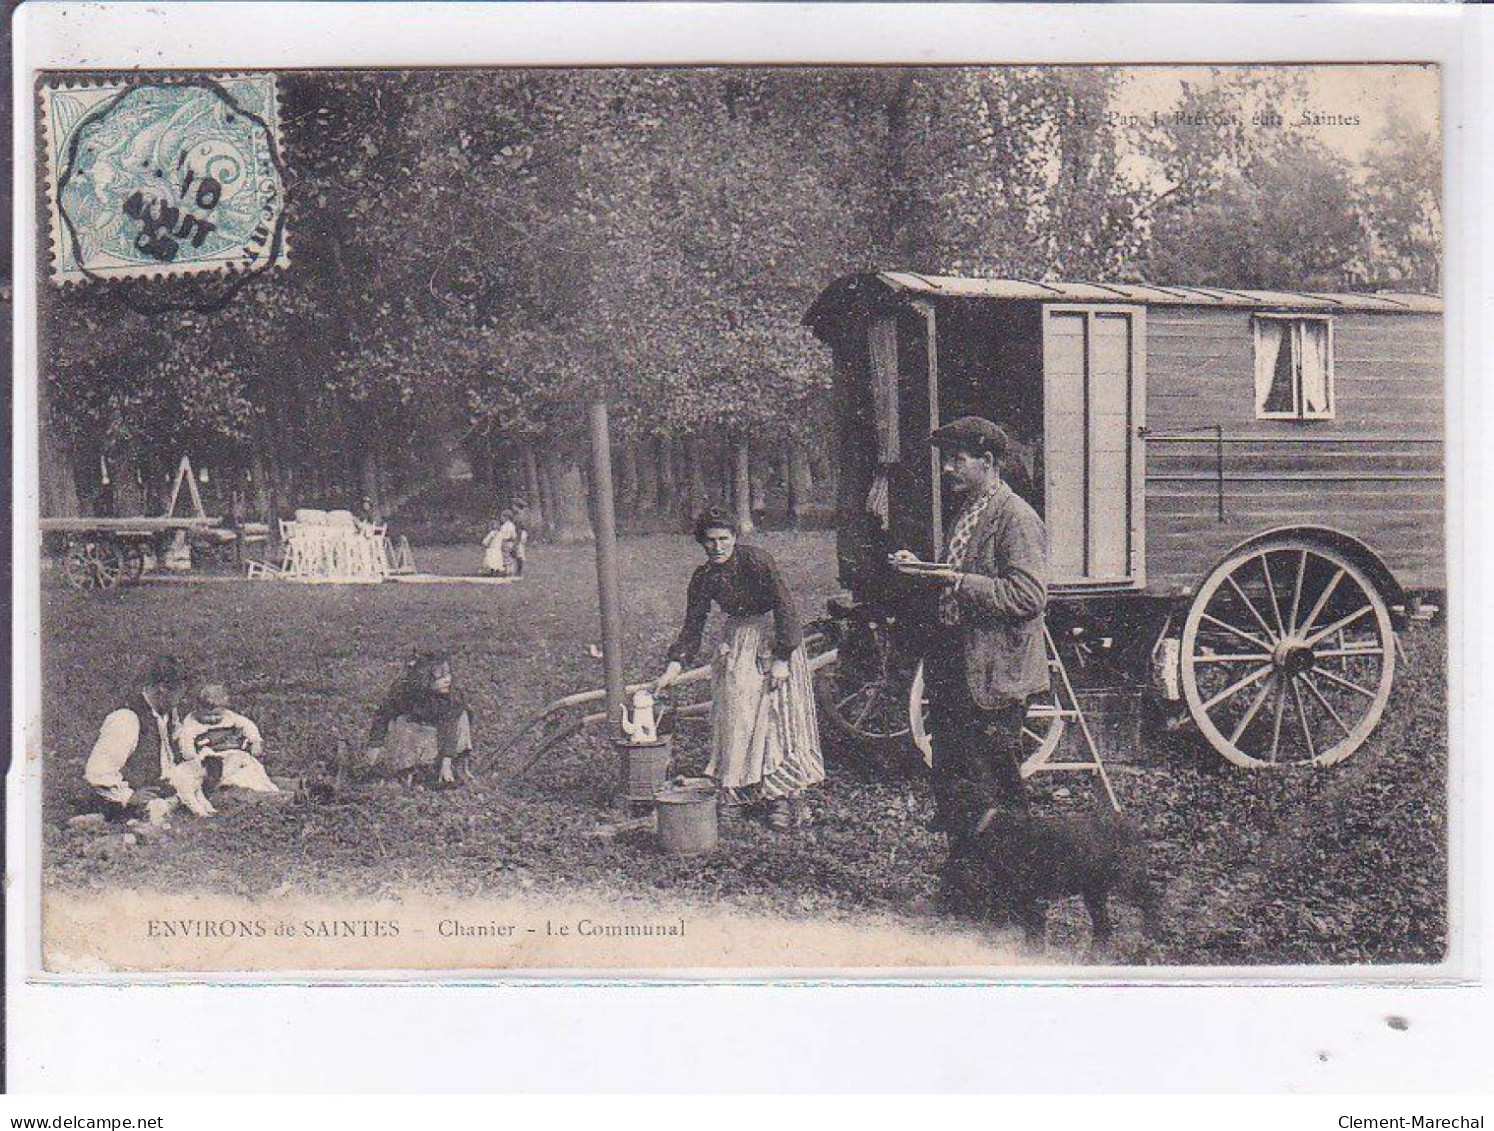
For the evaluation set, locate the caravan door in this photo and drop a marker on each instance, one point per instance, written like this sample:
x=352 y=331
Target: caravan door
x=1094 y=382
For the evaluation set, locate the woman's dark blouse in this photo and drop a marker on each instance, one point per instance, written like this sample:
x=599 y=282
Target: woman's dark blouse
x=419 y=705
x=746 y=584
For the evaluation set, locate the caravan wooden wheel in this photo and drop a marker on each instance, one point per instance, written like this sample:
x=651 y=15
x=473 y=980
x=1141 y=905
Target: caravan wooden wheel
x=1041 y=733
x=863 y=695
x=1288 y=655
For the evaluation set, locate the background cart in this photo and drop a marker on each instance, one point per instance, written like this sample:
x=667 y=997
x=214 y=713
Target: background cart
x=1243 y=490
x=103 y=553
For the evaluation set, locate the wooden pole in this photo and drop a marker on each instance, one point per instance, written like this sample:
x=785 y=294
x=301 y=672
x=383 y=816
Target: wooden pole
x=607 y=588
x=936 y=463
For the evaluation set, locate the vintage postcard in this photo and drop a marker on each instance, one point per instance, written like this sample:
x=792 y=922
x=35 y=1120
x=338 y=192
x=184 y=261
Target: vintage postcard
x=750 y=521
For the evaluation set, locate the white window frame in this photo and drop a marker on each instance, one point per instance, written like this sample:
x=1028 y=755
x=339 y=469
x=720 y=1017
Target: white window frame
x=1297 y=412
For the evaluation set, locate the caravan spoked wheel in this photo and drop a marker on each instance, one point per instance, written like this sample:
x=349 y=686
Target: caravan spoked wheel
x=1041 y=733
x=1288 y=655
x=863 y=695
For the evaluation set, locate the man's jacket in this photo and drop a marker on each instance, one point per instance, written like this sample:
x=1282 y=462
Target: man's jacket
x=1001 y=601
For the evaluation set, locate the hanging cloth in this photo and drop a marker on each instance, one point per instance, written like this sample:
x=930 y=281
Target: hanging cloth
x=882 y=347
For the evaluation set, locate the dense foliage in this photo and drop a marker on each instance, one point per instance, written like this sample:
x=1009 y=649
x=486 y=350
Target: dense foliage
x=473 y=254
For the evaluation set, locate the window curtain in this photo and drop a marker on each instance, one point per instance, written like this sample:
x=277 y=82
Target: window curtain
x=1311 y=342
x=1273 y=368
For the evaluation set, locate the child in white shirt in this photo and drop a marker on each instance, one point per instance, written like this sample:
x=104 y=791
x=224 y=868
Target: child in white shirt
x=498 y=545
x=225 y=743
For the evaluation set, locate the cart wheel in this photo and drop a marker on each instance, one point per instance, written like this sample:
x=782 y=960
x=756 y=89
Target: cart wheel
x=1287 y=655
x=1041 y=733
x=93 y=564
x=864 y=696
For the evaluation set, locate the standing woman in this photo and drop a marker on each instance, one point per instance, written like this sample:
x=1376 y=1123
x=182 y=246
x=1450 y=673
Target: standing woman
x=765 y=740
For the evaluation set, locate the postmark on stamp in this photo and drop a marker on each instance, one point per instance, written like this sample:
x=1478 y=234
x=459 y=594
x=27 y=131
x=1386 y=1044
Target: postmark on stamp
x=164 y=177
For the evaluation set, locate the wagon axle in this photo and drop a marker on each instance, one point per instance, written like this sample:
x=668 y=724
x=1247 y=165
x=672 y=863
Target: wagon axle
x=1293 y=657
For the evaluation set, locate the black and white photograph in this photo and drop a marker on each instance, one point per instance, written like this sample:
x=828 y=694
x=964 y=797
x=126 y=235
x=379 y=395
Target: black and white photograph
x=898 y=520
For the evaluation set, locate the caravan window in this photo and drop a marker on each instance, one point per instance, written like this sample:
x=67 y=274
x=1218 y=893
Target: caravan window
x=1293 y=368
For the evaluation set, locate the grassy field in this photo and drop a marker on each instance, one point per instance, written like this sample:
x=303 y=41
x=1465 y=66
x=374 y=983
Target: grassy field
x=1343 y=865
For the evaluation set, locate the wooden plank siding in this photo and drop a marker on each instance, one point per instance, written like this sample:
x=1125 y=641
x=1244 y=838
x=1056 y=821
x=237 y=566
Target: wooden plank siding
x=1375 y=471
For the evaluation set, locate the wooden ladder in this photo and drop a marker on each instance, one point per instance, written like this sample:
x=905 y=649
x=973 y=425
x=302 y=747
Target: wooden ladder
x=1066 y=707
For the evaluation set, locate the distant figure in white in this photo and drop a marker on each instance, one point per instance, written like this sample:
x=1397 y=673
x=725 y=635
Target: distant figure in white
x=500 y=545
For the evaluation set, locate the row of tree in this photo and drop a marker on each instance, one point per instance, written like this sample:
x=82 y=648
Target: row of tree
x=474 y=254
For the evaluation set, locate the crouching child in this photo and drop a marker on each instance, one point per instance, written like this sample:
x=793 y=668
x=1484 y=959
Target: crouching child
x=423 y=729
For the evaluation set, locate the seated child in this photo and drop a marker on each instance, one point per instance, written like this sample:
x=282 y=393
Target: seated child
x=423 y=696
x=226 y=744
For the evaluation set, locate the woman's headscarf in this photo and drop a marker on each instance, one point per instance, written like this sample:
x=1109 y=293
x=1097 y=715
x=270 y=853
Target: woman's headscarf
x=420 y=673
x=715 y=518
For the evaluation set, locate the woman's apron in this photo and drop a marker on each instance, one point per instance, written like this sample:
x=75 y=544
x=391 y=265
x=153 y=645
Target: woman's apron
x=764 y=743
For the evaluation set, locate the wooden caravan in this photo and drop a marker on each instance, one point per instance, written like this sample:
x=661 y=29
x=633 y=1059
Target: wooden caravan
x=1241 y=488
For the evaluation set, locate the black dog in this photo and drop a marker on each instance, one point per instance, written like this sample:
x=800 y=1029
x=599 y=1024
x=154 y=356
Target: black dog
x=1011 y=862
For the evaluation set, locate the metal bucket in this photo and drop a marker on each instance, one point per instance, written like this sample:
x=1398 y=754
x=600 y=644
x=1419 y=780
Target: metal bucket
x=644 y=768
x=685 y=812
x=1114 y=718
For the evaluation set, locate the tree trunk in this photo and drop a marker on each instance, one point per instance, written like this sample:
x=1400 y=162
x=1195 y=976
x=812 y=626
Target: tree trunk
x=259 y=474
x=695 y=485
x=546 y=498
x=822 y=467
x=532 y=493
x=285 y=485
x=669 y=481
x=482 y=455
x=369 y=475
x=799 y=485
x=726 y=476
x=280 y=486
x=569 y=515
x=647 y=502
x=239 y=509
x=627 y=480
x=760 y=470
x=59 y=494
x=741 y=484
x=895 y=239
x=153 y=494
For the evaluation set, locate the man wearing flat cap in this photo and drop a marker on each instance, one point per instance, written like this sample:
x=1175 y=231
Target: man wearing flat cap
x=986 y=654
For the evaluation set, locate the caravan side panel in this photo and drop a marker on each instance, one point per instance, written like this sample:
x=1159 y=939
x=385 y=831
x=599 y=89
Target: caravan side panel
x=1374 y=470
